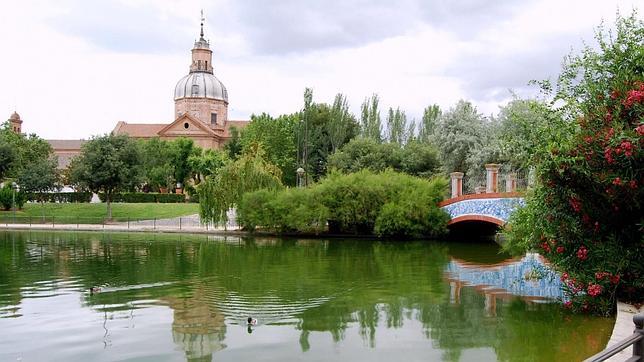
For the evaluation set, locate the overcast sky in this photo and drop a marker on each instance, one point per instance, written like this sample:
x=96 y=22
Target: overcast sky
x=73 y=68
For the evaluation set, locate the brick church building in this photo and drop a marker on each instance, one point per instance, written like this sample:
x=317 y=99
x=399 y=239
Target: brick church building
x=200 y=111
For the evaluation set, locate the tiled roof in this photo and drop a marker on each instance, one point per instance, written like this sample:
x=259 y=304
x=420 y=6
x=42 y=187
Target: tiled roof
x=142 y=130
x=66 y=144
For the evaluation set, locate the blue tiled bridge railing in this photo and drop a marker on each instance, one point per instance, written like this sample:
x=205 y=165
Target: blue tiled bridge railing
x=494 y=208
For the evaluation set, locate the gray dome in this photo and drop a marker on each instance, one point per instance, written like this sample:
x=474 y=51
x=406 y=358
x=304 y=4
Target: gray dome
x=200 y=85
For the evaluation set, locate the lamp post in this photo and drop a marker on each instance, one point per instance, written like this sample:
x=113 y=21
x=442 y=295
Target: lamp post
x=300 y=175
x=14 y=188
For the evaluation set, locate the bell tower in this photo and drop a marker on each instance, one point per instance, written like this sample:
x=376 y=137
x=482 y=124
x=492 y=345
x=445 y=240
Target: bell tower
x=15 y=123
x=201 y=53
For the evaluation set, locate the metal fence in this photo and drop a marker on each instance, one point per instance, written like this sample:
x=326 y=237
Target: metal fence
x=636 y=340
x=188 y=223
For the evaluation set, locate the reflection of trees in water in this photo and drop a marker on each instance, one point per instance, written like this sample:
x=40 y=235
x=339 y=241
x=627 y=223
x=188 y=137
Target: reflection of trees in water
x=324 y=286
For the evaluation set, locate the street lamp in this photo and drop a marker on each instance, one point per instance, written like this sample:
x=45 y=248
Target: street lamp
x=14 y=188
x=300 y=176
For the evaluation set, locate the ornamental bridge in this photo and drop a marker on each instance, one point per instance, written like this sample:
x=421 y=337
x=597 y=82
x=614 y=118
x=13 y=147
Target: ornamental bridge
x=485 y=211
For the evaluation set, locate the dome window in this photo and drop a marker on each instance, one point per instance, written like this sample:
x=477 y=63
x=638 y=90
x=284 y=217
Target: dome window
x=195 y=90
x=186 y=125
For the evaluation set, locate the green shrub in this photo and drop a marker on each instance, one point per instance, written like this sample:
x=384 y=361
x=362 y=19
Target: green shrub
x=145 y=197
x=60 y=197
x=414 y=213
x=387 y=203
x=7 y=198
x=255 y=209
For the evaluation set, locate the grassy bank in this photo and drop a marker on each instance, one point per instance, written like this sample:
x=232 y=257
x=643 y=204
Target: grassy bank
x=93 y=213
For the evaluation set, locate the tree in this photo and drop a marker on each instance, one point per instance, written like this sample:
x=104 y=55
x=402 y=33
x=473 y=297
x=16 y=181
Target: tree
x=278 y=139
x=315 y=141
x=233 y=147
x=396 y=126
x=209 y=162
x=364 y=153
x=431 y=114
x=585 y=213
x=39 y=176
x=341 y=123
x=457 y=133
x=523 y=127
x=157 y=164
x=108 y=164
x=7 y=157
x=419 y=159
x=18 y=150
x=182 y=149
x=223 y=191
x=370 y=123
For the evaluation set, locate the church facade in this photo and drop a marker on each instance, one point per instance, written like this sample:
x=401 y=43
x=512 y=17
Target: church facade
x=200 y=111
x=200 y=106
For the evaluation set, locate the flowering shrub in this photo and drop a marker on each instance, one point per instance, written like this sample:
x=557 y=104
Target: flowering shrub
x=585 y=214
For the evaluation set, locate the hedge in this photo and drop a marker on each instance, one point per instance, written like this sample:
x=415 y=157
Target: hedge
x=145 y=197
x=387 y=204
x=60 y=197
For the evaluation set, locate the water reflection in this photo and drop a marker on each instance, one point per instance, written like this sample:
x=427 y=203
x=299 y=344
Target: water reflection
x=527 y=277
x=187 y=297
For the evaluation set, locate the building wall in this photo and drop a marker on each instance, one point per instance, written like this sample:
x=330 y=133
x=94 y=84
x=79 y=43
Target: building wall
x=201 y=108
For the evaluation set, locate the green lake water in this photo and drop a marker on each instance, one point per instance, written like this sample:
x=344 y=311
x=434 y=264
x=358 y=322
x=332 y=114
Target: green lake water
x=182 y=297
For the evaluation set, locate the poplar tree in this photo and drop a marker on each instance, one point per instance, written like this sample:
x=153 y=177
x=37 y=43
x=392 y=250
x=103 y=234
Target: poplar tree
x=429 y=122
x=396 y=126
x=371 y=125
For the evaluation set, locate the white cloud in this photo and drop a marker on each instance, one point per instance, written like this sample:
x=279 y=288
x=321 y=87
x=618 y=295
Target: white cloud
x=79 y=79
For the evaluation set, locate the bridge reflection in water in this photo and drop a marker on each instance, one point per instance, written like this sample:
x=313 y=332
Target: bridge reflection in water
x=529 y=278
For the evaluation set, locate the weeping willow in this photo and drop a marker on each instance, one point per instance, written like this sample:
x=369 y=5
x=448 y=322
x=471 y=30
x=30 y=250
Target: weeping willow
x=223 y=191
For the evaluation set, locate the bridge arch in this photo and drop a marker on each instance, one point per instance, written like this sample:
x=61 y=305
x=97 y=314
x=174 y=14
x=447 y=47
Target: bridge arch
x=490 y=208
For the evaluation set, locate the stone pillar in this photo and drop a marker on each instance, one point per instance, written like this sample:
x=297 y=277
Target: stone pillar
x=457 y=183
x=492 y=179
x=511 y=182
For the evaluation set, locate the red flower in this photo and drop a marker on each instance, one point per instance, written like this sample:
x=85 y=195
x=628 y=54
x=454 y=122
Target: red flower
x=614 y=279
x=567 y=304
x=608 y=155
x=588 y=139
x=627 y=145
x=560 y=249
x=585 y=219
x=633 y=184
x=617 y=181
x=640 y=129
x=564 y=277
x=545 y=247
x=633 y=96
x=601 y=275
x=582 y=253
x=595 y=290
x=575 y=203
x=614 y=94
x=608 y=117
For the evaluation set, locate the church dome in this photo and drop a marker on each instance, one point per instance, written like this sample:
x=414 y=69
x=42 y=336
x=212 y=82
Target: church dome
x=14 y=117
x=200 y=85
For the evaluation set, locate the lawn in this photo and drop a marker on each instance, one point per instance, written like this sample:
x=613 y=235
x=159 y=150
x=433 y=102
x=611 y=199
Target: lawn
x=94 y=213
